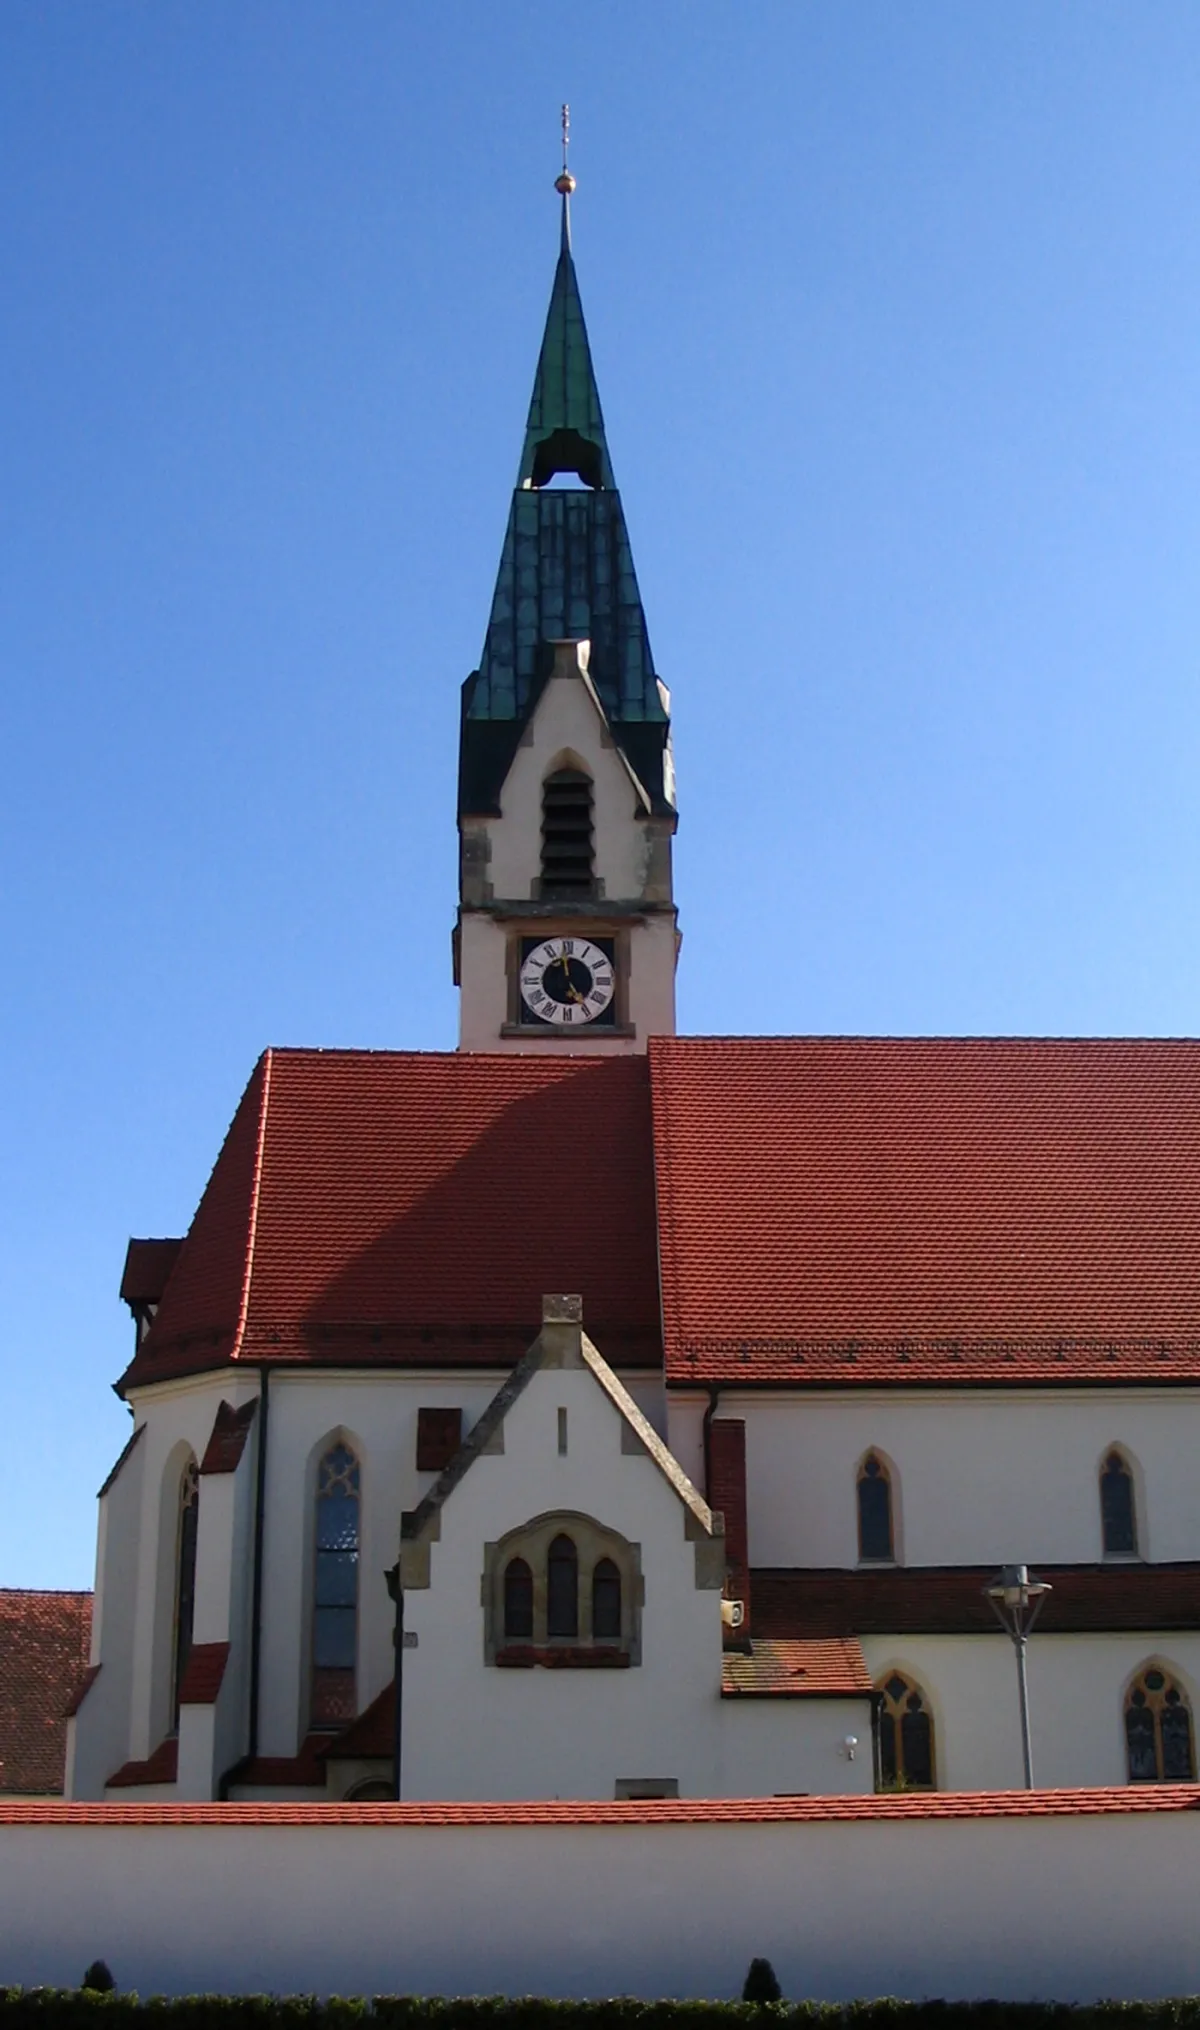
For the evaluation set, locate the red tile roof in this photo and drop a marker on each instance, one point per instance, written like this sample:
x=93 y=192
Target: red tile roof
x=160 y=1767
x=851 y=1210
x=44 y=1640
x=227 y=1439
x=372 y=1734
x=949 y=1600
x=290 y=1772
x=394 y=1208
x=710 y=1811
x=802 y=1669
x=203 y=1673
x=147 y=1266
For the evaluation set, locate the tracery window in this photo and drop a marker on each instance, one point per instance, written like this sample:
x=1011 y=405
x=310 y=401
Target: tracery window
x=906 y=1759
x=875 y=1535
x=1158 y=1729
x=335 y=1588
x=1117 y=1515
x=559 y=1589
x=185 y=1580
x=567 y=833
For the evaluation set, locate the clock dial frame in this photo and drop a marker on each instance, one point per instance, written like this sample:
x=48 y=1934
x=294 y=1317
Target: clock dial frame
x=567 y=982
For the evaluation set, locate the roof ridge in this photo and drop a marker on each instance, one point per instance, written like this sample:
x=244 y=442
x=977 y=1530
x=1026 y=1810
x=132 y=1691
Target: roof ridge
x=239 y=1330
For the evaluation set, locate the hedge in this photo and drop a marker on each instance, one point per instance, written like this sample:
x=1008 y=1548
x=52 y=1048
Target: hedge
x=83 y=2009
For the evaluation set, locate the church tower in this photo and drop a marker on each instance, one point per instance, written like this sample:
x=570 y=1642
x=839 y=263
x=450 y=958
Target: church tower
x=566 y=936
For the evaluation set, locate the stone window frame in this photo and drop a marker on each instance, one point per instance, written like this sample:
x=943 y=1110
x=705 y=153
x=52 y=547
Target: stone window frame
x=593 y=1541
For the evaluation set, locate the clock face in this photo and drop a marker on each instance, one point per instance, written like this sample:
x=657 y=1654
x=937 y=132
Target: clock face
x=567 y=982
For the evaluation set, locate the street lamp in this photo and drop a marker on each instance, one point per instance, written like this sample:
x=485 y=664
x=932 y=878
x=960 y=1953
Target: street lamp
x=1017 y=1600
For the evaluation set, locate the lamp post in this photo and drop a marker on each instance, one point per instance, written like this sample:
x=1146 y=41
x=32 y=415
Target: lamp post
x=1017 y=1600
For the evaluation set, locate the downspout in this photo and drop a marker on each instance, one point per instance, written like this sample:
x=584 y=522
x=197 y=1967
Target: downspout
x=714 y=1397
x=397 y=1592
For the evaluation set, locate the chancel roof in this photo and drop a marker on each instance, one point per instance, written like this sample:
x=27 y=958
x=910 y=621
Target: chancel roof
x=824 y=1212
x=391 y=1208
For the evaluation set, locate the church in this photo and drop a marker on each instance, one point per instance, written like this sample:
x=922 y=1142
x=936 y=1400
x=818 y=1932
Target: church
x=594 y=1412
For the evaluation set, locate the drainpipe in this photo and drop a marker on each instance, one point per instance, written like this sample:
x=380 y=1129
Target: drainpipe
x=397 y=1593
x=714 y=1397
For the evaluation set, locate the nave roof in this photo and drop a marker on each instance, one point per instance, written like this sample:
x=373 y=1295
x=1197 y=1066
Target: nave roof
x=828 y=1212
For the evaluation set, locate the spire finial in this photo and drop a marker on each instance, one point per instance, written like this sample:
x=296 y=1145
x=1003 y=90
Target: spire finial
x=564 y=183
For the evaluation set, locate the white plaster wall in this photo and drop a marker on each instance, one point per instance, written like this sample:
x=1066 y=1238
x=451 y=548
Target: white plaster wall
x=378 y=1414
x=979 y=1478
x=1102 y=1906
x=1077 y=1686
x=139 y=1568
x=793 y=1748
x=97 y=1737
x=474 y=1731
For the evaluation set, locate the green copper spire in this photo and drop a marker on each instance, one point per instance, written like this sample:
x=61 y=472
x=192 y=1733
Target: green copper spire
x=566 y=573
x=565 y=431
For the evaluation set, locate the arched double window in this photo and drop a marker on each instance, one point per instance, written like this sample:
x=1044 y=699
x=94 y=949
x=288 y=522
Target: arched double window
x=1158 y=1729
x=876 y=1536
x=1118 y=1517
x=335 y=1588
x=563 y=1581
x=906 y=1759
x=567 y=836
x=185 y=1580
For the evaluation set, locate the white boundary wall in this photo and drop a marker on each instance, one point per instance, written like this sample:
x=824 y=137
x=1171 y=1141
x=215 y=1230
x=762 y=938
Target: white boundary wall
x=1069 y=1896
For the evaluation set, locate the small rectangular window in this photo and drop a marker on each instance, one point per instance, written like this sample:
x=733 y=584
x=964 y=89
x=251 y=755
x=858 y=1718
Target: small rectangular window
x=562 y=1431
x=646 y=1786
x=439 y=1435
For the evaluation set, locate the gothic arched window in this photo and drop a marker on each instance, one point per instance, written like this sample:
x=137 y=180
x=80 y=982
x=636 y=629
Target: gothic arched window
x=906 y=1759
x=875 y=1539
x=335 y=1588
x=1158 y=1729
x=562 y=1589
x=185 y=1579
x=518 y=1601
x=606 y=1601
x=1117 y=1517
x=567 y=842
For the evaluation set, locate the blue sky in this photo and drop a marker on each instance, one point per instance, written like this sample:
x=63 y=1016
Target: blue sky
x=895 y=313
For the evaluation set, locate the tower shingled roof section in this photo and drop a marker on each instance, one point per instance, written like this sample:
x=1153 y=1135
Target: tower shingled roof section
x=566 y=574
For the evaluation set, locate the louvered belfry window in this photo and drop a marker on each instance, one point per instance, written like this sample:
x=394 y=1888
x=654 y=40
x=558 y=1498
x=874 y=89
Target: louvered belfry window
x=567 y=833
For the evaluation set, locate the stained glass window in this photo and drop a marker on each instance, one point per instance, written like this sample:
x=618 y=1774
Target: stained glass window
x=185 y=1579
x=1158 y=1730
x=906 y=1760
x=874 y=1511
x=1116 y=1508
x=335 y=1588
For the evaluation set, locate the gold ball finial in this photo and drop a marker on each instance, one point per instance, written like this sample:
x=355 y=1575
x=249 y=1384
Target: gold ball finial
x=564 y=183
